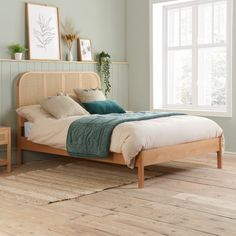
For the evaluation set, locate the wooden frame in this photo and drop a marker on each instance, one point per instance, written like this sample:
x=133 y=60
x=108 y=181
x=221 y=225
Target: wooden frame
x=32 y=87
x=162 y=26
x=79 y=49
x=5 y=139
x=28 y=32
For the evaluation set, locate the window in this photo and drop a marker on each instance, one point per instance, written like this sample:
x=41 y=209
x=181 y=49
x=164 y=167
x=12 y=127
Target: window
x=192 y=56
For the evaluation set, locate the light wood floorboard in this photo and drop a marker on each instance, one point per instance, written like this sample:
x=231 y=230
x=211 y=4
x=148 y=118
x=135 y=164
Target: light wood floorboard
x=189 y=197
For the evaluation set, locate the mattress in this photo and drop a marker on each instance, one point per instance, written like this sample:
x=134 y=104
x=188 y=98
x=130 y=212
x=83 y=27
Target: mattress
x=27 y=129
x=130 y=138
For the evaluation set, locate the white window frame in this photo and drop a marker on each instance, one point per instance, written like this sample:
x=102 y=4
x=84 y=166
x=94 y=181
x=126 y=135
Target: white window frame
x=195 y=110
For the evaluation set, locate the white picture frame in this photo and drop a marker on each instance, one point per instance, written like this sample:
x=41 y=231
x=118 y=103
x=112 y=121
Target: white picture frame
x=43 y=32
x=84 y=50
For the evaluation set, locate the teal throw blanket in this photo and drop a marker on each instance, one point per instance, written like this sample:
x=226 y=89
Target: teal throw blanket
x=90 y=136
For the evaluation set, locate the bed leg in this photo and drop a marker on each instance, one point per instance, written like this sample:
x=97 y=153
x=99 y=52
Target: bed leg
x=140 y=174
x=219 y=159
x=219 y=155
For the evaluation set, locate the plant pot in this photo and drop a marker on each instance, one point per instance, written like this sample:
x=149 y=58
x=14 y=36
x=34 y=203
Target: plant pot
x=18 y=56
x=69 y=56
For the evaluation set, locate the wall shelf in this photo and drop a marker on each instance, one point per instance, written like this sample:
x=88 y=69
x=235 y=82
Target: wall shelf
x=72 y=62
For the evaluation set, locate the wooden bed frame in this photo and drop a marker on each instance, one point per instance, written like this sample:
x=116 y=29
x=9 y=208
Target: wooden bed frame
x=32 y=87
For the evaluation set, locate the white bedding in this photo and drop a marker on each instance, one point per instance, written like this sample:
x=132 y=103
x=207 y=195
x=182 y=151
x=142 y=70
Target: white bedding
x=131 y=137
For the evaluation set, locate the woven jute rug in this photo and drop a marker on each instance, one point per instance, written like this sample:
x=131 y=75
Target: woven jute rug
x=65 y=182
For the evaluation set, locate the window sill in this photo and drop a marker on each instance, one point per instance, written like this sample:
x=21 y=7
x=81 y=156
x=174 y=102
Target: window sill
x=197 y=112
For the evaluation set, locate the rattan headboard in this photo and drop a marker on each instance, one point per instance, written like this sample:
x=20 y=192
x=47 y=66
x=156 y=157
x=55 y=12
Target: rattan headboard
x=32 y=87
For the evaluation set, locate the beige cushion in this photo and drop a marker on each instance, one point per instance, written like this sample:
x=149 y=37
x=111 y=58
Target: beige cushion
x=33 y=113
x=89 y=95
x=62 y=106
x=72 y=95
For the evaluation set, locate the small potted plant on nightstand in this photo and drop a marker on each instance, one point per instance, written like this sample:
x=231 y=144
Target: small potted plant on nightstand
x=17 y=50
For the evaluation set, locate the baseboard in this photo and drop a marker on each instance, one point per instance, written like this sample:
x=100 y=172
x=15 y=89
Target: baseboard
x=230 y=153
x=28 y=155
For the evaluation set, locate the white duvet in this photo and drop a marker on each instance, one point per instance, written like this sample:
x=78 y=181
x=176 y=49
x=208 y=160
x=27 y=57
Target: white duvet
x=131 y=137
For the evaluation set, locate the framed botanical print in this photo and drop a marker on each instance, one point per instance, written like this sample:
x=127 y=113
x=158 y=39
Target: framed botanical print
x=43 y=32
x=84 y=50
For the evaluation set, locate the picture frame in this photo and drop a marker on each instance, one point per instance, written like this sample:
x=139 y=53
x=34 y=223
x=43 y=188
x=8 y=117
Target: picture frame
x=84 y=49
x=43 y=31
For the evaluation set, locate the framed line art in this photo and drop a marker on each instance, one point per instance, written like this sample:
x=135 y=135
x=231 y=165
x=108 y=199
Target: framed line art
x=43 y=32
x=84 y=50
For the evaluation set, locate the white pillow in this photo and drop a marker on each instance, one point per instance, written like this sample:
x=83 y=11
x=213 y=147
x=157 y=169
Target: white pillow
x=89 y=95
x=33 y=113
x=62 y=107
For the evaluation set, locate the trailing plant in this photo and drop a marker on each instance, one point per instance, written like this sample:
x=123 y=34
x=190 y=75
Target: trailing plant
x=17 y=48
x=104 y=69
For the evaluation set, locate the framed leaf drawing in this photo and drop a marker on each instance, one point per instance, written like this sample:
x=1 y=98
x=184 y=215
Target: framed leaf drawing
x=84 y=50
x=43 y=32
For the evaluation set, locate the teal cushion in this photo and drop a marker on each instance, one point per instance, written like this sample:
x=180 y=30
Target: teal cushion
x=103 y=107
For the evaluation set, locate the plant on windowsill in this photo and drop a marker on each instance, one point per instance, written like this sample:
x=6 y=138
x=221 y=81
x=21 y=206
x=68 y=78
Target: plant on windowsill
x=104 y=69
x=17 y=50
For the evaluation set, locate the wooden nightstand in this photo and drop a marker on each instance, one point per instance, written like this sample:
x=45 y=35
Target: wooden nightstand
x=5 y=139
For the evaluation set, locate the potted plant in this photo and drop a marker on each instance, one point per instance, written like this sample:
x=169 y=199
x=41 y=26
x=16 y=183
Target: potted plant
x=104 y=69
x=69 y=36
x=17 y=50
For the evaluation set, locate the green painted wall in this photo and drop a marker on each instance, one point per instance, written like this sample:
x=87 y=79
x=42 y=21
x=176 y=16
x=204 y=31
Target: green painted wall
x=102 y=21
x=139 y=71
x=138 y=53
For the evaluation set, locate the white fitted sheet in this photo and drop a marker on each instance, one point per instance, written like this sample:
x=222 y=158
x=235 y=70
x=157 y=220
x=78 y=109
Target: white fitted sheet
x=27 y=128
x=130 y=138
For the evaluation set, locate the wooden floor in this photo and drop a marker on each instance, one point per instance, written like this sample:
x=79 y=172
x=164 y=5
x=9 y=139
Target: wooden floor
x=190 y=197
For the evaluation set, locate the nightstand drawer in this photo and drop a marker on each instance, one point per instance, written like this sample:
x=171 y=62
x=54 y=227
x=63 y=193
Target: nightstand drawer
x=4 y=133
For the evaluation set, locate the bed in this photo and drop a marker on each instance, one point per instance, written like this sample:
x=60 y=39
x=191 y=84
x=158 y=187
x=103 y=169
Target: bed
x=32 y=87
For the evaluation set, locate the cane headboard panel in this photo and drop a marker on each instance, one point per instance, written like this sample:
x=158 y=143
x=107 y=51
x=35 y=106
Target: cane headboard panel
x=32 y=87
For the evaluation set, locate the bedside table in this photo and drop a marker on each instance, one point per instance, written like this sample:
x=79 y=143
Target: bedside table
x=5 y=139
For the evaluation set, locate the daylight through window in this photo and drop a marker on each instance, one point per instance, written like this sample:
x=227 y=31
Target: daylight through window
x=191 y=55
